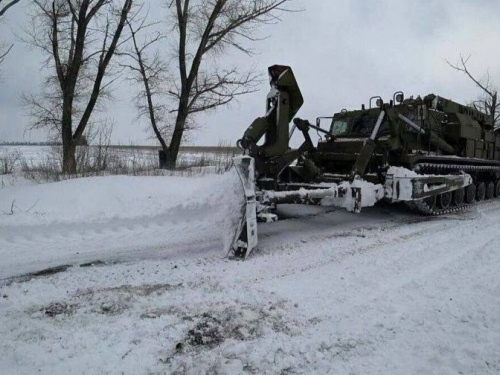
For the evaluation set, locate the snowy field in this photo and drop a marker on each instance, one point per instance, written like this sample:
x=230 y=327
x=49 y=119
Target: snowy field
x=145 y=287
x=33 y=154
x=43 y=163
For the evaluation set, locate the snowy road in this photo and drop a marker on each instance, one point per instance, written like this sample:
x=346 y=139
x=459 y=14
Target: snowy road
x=383 y=292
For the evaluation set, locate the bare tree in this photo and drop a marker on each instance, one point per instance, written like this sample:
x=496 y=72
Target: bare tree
x=79 y=38
x=4 y=7
x=204 y=32
x=487 y=101
x=150 y=71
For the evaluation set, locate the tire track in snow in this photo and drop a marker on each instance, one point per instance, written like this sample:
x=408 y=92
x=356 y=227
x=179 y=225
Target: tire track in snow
x=424 y=239
x=379 y=309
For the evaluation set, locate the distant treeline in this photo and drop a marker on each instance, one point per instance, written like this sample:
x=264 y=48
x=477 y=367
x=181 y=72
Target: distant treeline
x=2 y=143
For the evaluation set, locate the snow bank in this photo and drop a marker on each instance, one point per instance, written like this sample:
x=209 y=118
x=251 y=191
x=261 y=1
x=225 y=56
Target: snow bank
x=184 y=206
x=105 y=198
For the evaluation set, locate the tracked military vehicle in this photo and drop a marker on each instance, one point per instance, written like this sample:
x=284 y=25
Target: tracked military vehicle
x=435 y=155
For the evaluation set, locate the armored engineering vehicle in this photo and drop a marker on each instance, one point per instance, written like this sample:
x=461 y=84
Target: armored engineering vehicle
x=435 y=155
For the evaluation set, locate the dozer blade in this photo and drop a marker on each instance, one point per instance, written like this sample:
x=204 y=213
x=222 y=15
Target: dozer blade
x=245 y=236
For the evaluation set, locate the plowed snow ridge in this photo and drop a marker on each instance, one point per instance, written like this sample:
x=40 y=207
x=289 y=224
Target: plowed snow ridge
x=112 y=219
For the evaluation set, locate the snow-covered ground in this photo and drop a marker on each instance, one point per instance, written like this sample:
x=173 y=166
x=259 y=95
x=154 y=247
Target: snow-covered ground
x=147 y=289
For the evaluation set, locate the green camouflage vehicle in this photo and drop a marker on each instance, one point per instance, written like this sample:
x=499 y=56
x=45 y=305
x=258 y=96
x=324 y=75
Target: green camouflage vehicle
x=435 y=155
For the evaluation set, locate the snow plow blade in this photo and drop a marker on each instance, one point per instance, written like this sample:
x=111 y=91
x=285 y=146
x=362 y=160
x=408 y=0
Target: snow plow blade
x=350 y=196
x=245 y=236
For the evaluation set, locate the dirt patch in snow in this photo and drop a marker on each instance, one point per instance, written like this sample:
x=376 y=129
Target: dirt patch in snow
x=246 y=322
x=207 y=332
x=142 y=290
x=220 y=331
x=58 y=308
x=108 y=301
x=46 y=272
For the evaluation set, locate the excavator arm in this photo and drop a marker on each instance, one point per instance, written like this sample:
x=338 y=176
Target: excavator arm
x=262 y=165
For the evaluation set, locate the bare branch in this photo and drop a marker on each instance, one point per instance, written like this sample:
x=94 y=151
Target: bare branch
x=4 y=50
x=488 y=100
x=149 y=74
x=4 y=54
x=101 y=70
x=463 y=68
x=6 y=7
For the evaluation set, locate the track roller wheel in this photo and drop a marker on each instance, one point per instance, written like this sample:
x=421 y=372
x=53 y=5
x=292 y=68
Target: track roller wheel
x=430 y=202
x=497 y=189
x=480 y=191
x=470 y=194
x=458 y=197
x=444 y=200
x=490 y=190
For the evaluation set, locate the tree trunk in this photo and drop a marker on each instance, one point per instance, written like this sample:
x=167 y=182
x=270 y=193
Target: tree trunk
x=493 y=109
x=69 y=145
x=175 y=142
x=69 y=159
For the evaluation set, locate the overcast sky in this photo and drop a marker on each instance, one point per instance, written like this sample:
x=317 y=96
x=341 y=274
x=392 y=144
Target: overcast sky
x=342 y=52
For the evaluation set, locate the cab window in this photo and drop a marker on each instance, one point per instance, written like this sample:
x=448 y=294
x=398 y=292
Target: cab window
x=339 y=127
x=363 y=126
